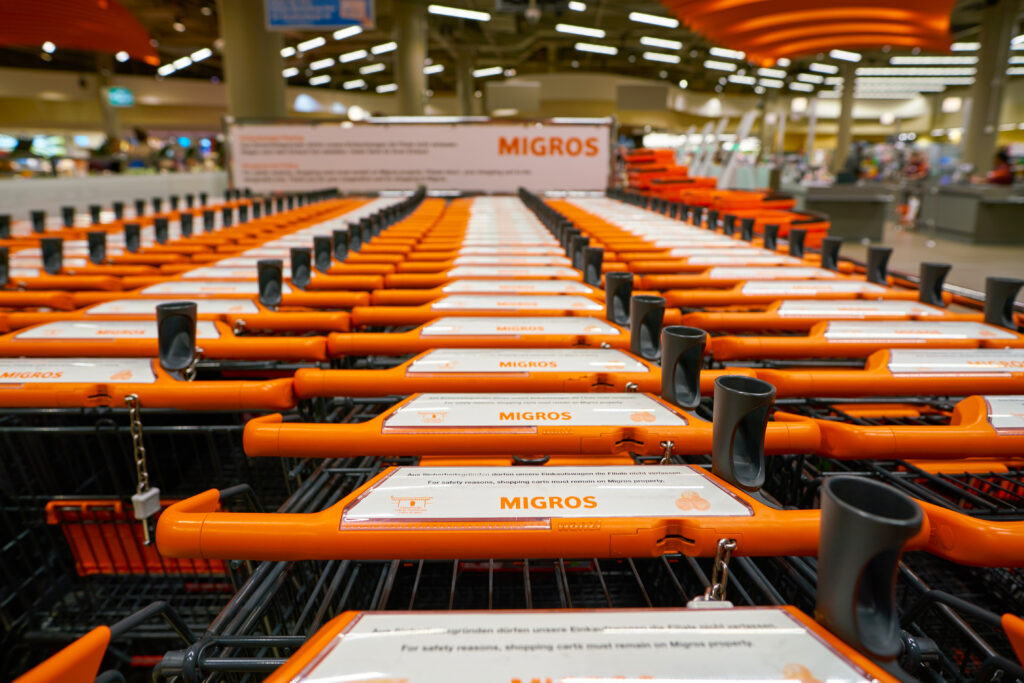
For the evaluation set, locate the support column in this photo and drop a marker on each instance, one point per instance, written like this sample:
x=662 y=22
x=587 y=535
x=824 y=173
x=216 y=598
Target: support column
x=997 y=23
x=845 y=135
x=252 y=61
x=411 y=36
x=464 y=87
x=111 y=121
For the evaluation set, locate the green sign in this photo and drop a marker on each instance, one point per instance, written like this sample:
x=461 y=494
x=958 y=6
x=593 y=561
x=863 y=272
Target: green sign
x=120 y=97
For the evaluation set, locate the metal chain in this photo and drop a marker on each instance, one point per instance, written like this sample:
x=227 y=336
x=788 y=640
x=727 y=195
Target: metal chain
x=720 y=572
x=138 y=450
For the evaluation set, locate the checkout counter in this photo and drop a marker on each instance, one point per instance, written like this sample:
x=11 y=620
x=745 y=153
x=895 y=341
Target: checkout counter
x=980 y=214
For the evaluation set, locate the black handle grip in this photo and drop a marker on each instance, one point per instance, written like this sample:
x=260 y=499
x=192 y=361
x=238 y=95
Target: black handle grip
x=132 y=237
x=243 y=214
x=739 y=421
x=187 y=221
x=53 y=254
x=5 y=226
x=97 y=241
x=269 y=276
x=174 y=201
x=204 y=197
x=161 y=229
x=592 y=259
x=94 y=213
x=190 y=200
x=697 y=216
x=340 y=240
x=268 y=206
x=746 y=229
x=830 y=252
x=933 y=277
x=257 y=210
x=1000 y=293
x=140 y=208
x=729 y=224
x=209 y=222
x=119 y=210
x=771 y=236
x=176 y=334
x=796 y=239
x=38 y=221
x=878 y=264
x=682 y=356
x=864 y=526
x=576 y=250
x=227 y=216
x=302 y=267
x=158 y=204
x=322 y=253
x=712 y=216
x=646 y=314
x=5 y=266
x=67 y=216
x=618 y=290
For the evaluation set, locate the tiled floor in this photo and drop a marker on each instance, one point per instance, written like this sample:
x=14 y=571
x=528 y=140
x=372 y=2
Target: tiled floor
x=972 y=263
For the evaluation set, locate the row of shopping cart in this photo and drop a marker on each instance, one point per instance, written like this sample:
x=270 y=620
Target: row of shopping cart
x=397 y=438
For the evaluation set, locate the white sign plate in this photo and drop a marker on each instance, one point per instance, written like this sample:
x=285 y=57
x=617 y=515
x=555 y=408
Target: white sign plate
x=67 y=370
x=894 y=331
x=148 y=306
x=512 y=261
x=796 y=287
x=532 y=410
x=516 y=327
x=944 y=362
x=199 y=287
x=580 y=646
x=1006 y=413
x=726 y=273
x=517 y=287
x=108 y=330
x=537 y=302
x=525 y=360
x=512 y=272
x=496 y=494
x=855 y=308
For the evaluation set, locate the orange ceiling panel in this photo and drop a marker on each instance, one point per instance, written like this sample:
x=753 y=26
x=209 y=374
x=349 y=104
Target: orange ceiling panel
x=769 y=29
x=91 y=25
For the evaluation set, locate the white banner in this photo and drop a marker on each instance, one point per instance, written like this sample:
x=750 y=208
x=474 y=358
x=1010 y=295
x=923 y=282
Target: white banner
x=465 y=156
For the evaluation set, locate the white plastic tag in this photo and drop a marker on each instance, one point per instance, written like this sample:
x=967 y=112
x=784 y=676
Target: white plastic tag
x=885 y=330
x=741 y=273
x=1001 y=362
x=446 y=361
x=502 y=411
x=496 y=494
x=537 y=302
x=767 y=259
x=198 y=287
x=1006 y=413
x=148 y=306
x=512 y=261
x=68 y=370
x=517 y=287
x=797 y=287
x=522 y=326
x=580 y=646
x=512 y=272
x=108 y=330
x=856 y=308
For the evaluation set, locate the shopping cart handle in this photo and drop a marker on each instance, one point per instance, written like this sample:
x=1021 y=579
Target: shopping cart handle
x=79 y=662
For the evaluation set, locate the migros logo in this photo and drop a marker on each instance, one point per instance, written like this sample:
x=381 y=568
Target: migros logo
x=538 y=416
x=29 y=374
x=548 y=502
x=527 y=364
x=547 y=146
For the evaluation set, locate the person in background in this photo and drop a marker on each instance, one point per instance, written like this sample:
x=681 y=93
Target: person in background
x=1002 y=172
x=916 y=167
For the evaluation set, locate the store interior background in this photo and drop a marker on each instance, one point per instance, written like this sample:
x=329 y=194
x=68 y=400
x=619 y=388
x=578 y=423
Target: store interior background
x=74 y=115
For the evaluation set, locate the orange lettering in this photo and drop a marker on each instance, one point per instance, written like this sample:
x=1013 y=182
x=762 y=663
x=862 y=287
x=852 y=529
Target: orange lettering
x=506 y=147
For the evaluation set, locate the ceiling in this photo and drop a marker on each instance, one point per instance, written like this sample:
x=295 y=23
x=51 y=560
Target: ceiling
x=509 y=40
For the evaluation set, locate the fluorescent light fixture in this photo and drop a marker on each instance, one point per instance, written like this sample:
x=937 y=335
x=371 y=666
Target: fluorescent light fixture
x=581 y=119
x=122 y=56
x=488 y=71
x=823 y=68
x=312 y=44
x=802 y=87
x=387 y=87
x=49 y=48
x=933 y=60
x=922 y=80
x=166 y=70
x=374 y=68
x=810 y=78
x=1015 y=71
x=965 y=47
x=597 y=49
x=771 y=73
x=833 y=80
x=384 y=48
x=322 y=79
x=644 y=18
x=1016 y=60
x=663 y=43
x=287 y=51
x=845 y=55
x=783 y=62
x=684 y=84
x=430 y=70
x=726 y=54
x=182 y=62
x=580 y=30
x=458 y=13
x=201 y=54
x=353 y=56
x=578 y=6
x=742 y=80
x=719 y=66
x=322 y=64
x=770 y=83
x=290 y=71
x=501 y=113
x=914 y=71
x=347 y=32
x=352 y=85
x=661 y=57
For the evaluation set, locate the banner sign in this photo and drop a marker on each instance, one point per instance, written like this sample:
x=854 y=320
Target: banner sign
x=483 y=157
x=314 y=14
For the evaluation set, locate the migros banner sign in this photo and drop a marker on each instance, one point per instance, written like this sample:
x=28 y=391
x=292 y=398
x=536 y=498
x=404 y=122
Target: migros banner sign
x=487 y=157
